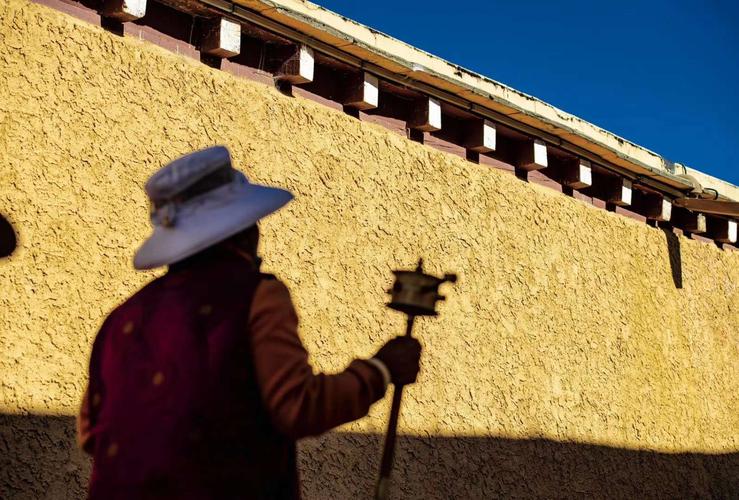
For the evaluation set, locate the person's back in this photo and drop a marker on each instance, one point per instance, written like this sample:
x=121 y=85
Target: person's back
x=179 y=407
x=199 y=384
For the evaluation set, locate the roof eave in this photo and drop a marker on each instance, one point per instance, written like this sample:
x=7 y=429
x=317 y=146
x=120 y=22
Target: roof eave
x=383 y=54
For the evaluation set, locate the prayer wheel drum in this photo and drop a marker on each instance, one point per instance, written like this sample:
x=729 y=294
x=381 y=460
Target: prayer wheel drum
x=415 y=293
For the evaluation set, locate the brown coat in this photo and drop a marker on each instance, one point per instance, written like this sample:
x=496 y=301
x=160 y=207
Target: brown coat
x=199 y=386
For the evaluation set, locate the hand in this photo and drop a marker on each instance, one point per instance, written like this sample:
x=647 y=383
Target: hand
x=401 y=356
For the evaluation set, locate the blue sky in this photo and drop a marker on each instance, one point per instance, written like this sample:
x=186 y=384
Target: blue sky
x=663 y=74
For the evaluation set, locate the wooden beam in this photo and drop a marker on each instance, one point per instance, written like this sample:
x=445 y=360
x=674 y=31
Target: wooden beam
x=124 y=10
x=651 y=205
x=363 y=92
x=577 y=173
x=690 y=222
x=618 y=191
x=299 y=67
x=532 y=155
x=722 y=230
x=221 y=38
x=480 y=136
x=426 y=115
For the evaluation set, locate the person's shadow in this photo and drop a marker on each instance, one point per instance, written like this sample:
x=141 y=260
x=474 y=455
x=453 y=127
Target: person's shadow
x=8 y=238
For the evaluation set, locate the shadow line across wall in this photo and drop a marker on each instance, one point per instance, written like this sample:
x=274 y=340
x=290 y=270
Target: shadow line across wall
x=39 y=459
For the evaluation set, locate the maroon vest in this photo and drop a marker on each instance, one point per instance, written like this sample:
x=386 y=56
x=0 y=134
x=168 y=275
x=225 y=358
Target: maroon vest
x=175 y=408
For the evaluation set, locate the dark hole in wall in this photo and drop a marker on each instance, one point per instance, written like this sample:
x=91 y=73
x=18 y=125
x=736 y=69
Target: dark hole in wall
x=112 y=25
x=8 y=239
x=169 y=21
x=39 y=459
x=209 y=60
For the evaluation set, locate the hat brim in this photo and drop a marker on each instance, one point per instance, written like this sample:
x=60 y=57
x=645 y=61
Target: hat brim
x=209 y=224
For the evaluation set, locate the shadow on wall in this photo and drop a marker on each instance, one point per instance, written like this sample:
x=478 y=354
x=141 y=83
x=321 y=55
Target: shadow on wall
x=8 y=239
x=676 y=260
x=38 y=459
x=470 y=467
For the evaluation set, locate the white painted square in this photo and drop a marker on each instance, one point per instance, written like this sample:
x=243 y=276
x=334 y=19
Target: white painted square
x=626 y=192
x=700 y=223
x=666 y=214
x=434 y=113
x=230 y=36
x=732 y=231
x=134 y=9
x=586 y=174
x=307 y=59
x=489 y=135
x=371 y=88
x=540 y=153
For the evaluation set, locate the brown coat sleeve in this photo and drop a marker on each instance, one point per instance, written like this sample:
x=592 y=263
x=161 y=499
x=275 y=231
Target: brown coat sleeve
x=300 y=402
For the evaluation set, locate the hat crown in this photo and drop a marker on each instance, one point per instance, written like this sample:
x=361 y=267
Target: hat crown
x=182 y=173
x=199 y=200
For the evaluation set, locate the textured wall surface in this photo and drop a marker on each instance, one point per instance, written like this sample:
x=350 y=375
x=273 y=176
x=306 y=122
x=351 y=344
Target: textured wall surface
x=571 y=329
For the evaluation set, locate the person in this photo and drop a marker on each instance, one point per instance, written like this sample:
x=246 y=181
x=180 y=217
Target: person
x=199 y=385
x=8 y=240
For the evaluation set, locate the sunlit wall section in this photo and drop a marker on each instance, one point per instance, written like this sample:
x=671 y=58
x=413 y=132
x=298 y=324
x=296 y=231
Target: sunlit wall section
x=568 y=323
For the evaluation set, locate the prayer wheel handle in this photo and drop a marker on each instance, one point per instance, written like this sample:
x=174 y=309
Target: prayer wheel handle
x=416 y=294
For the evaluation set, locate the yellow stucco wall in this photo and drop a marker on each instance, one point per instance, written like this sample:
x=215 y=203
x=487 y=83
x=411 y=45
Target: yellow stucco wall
x=566 y=333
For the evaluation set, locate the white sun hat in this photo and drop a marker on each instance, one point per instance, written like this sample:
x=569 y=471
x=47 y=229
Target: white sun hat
x=199 y=200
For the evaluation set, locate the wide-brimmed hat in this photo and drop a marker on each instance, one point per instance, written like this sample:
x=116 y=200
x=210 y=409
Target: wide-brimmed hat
x=199 y=200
